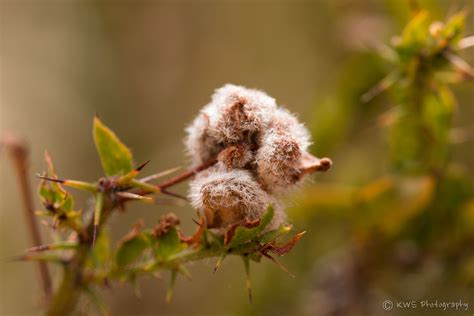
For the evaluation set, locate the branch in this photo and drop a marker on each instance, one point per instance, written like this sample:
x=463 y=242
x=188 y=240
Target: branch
x=19 y=156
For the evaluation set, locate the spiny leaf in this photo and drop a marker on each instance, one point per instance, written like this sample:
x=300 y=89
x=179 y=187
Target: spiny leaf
x=287 y=247
x=115 y=157
x=243 y=234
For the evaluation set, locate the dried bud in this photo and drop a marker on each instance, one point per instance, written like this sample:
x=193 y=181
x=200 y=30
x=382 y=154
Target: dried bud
x=166 y=222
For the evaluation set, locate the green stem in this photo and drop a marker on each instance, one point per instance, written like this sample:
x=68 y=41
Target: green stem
x=67 y=295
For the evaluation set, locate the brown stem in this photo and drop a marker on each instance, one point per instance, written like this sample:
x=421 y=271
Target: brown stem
x=19 y=155
x=186 y=175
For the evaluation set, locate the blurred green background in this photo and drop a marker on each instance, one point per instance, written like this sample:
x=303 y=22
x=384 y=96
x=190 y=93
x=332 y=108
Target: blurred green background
x=148 y=67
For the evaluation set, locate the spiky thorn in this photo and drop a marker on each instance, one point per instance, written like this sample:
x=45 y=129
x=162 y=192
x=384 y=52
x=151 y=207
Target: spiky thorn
x=126 y=196
x=80 y=185
x=169 y=291
x=176 y=195
x=42 y=257
x=219 y=262
x=159 y=175
x=460 y=64
x=57 y=246
x=132 y=174
x=248 y=283
x=99 y=204
x=278 y=263
x=466 y=42
x=182 y=269
x=380 y=87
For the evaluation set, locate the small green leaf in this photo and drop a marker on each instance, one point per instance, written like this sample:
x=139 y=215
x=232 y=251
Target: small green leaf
x=454 y=27
x=131 y=249
x=274 y=234
x=243 y=234
x=168 y=244
x=115 y=157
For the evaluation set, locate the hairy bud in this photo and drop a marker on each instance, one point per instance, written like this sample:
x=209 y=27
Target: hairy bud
x=261 y=151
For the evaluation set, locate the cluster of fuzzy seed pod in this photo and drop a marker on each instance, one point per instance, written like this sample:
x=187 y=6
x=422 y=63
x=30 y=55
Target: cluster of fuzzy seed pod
x=261 y=152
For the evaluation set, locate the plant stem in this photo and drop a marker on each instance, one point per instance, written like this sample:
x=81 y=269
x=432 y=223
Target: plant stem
x=67 y=295
x=19 y=155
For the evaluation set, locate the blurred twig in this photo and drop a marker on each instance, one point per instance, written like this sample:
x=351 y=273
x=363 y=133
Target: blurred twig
x=19 y=155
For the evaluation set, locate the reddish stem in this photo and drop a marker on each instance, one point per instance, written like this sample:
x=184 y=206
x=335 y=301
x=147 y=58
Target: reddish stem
x=19 y=156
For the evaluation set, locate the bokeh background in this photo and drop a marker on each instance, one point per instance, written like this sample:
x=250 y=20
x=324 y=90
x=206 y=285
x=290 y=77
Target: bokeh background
x=147 y=67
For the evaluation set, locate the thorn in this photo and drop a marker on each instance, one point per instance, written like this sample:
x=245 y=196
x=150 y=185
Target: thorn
x=94 y=235
x=219 y=262
x=169 y=291
x=160 y=174
x=50 y=179
x=282 y=267
x=248 y=283
x=133 y=196
x=139 y=168
x=175 y=195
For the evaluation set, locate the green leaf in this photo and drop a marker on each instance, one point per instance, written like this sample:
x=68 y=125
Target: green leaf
x=131 y=249
x=274 y=234
x=243 y=234
x=168 y=244
x=115 y=157
x=454 y=27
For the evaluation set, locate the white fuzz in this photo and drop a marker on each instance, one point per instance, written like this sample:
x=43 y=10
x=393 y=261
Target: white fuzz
x=224 y=197
x=277 y=161
x=259 y=148
x=285 y=121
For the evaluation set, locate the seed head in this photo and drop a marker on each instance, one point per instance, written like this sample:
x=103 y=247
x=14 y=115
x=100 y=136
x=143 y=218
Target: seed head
x=261 y=152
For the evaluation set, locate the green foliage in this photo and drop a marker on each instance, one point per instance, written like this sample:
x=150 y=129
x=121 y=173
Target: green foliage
x=115 y=157
x=130 y=249
x=243 y=234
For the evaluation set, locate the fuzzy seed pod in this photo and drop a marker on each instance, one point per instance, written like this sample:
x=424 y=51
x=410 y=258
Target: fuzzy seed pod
x=225 y=197
x=277 y=161
x=261 y=151
x=234 y=115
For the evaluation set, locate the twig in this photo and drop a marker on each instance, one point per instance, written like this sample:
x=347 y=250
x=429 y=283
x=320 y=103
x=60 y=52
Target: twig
x=186 y=175
x=19 y=155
